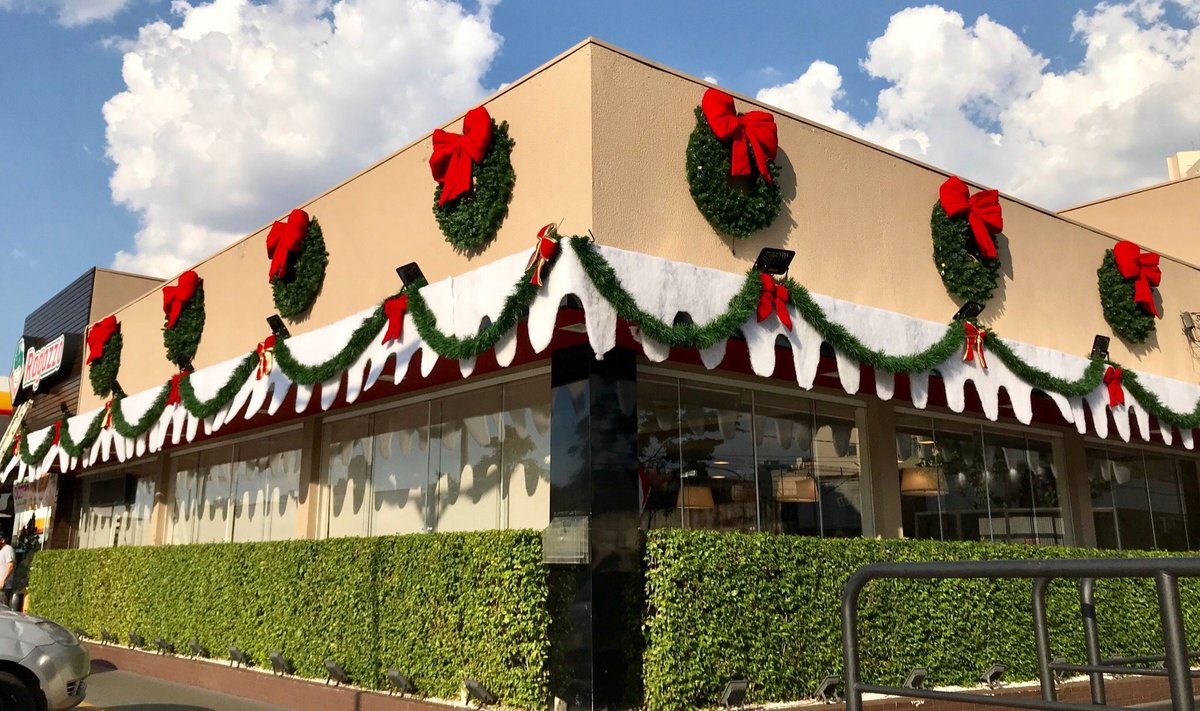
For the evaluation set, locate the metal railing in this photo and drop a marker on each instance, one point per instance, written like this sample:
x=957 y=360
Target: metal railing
x=1164 y=571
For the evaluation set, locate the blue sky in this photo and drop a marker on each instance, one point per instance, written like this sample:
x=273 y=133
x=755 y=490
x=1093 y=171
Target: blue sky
x=974 y=95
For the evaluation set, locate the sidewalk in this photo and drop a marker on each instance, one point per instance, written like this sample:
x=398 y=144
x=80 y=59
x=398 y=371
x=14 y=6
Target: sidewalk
x=114 y=690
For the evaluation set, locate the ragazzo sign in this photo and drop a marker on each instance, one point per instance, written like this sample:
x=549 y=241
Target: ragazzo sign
x=36 y=364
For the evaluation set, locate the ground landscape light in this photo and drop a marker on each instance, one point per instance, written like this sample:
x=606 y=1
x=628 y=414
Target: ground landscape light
x=164 y=647
x=197 y=650
x=479 y=692
x=774 y=261
x=135 y=640
x=992 y=676
x=399 y=682
x=969 y=310
x=916 y=678
x=237 y=657
x=279 y=665
x=334 y=672
x=735 y=692
x=1100 y=348
x=410 y=274
x=107 y=637
x=827 y=690
x=78 y=631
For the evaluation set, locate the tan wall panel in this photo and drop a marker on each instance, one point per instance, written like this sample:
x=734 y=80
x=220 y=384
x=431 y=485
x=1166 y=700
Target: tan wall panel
x=112 y=290
x=381 y=219
x=859 y=222
x=1163 y=218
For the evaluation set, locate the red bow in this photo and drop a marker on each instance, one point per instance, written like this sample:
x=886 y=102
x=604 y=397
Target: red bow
x=284 y=240
x=453 y=154
x=1112 y=379
x=982 y=210
x=57 y=432
x=176 y=297
x=757 y=127
x=1142 y=267
x=173 y=396
x=975 y=337
x=774 y=299
x=547 y=247
x=395 y=308
x=17 y=444
x=266 y=356
x=98 y=336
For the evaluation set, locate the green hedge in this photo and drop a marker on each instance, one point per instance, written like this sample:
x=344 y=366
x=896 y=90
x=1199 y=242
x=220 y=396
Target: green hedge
x=766 y=608
x=439 y=607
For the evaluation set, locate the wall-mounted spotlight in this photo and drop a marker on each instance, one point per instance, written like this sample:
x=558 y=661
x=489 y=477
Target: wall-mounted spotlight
x=335 y=673
x=734 y=694
x=969 y=310
x=237 y=658
x=278 y=328
x=827 y=690
x=993 y=675
x=479 y=692
x=1189 y=325
x=774 y=261
x=185 y=365
x=400 y=683
x=1100 y=348
x=117 y=390
x=410 y=274
x=916 y=678
x=279 y=665
x=66 y=411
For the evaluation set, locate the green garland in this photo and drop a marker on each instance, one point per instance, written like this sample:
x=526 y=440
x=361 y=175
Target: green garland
x=965 y=273
x=732 y=209
x=103 y=371
x=1127 y=319
x=472 y=219
x=604 y=278
x=183 y=339
x=295 y=294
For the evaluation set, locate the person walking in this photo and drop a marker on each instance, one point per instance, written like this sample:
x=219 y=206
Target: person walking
x=8 y=570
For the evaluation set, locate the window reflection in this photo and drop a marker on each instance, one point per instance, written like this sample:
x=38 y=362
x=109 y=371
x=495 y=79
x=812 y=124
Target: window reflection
x=1143 y=500
x=116 y=510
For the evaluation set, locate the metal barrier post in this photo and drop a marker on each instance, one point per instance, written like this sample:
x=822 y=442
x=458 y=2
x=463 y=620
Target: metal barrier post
x=1041 y=634
x=1175 y=641
x=1091 y=637
x=850 y=639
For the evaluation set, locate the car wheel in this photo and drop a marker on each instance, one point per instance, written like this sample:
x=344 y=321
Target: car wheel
x=14 y=694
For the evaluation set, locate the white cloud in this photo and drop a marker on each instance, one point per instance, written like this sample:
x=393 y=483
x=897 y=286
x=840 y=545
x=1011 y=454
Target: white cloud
x=70 y=13
x=237 y=110
x=976 y=100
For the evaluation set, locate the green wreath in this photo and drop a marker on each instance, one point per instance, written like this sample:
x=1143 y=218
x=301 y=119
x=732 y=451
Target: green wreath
x=472 y=219
x=182 y=341
x=1127 y=319
x=295 y=293
x=735 y=206
x=103 y=371
x=965 y=273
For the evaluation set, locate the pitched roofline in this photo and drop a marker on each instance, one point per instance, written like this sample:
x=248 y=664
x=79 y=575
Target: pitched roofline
x=1128 y=193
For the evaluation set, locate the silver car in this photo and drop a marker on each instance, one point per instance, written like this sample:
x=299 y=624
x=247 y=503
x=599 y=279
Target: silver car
x=43 y=667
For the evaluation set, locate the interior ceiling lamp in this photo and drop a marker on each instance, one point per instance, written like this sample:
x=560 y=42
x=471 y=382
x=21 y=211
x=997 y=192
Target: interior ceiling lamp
x=695 y=497
x=1100 y=347
x=796 y=486
x=774 y=261
x=971 y=309
x=922 y=480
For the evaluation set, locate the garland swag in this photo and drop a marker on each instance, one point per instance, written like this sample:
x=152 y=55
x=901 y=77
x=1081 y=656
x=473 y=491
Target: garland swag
x=182 y=339
x=472 y=219
x=604 y=278
x=738 y=207
x=1130 y=321
x=295 y=292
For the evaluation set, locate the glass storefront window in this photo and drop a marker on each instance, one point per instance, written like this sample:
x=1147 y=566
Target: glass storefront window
x=961 y=483
x=267 y=487
x=526 y=438
x=1143 y=500
x=400 y=473
x=468 y=473
x=116 y=508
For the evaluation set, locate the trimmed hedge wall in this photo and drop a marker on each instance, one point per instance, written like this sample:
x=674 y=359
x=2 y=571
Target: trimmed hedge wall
x=439 y=607
x=766 y=608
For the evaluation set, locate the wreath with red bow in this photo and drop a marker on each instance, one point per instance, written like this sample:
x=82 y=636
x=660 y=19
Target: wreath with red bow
x=298 y=260
x=183 y=307
x=963 y=227
x=731 y=166
x=475 y=180
x=104 y=343
x=1125 y=278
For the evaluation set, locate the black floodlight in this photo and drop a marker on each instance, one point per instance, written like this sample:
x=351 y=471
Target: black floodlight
x=734 y=694
x=278 y=327
x=185 y=364
x=107 y=637
x=1059 y=674
x=916 y=678
x=197 y=650
x=66 y=411
x=117 y=390
x=400 y=683
x=279 y=665
x=335 y=673
x=410 y=274
x=969 y=310
x=993 y=675
x=774 y=261
x=237 y=657
x=1100 y=348
x=479 y=692
x=135 y=640
x=78 y=632
x=827 y=690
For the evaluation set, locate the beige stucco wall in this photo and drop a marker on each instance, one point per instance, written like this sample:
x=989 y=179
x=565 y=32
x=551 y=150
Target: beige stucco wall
x=382 y=218
x=111 y=290
x=858 y=219
x=1165 y=218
